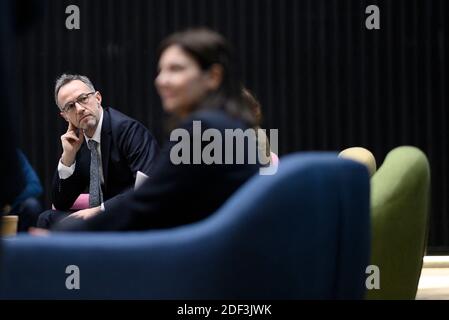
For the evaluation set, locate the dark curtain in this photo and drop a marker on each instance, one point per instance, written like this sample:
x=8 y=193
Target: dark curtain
x=324 y=80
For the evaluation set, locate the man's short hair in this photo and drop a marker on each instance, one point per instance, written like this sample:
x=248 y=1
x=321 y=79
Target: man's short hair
x=66 y=78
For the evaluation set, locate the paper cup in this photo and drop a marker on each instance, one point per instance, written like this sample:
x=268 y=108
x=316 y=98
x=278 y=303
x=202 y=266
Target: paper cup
x=9 y=226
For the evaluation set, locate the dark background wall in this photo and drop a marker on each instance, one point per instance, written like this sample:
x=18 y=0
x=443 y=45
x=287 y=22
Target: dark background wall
x=324 y=80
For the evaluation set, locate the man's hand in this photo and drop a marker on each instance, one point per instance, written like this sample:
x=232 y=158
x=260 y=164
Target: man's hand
x=71 y=143
x=86 y=213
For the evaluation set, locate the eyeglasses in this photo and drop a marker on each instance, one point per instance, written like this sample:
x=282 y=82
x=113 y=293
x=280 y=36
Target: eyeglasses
x=83 y=99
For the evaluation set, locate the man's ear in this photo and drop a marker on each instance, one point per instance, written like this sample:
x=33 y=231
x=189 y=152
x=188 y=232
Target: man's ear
x=98 y=97
x=215 y=77
x=62 y=114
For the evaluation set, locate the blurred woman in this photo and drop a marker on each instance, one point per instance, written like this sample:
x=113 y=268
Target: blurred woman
x=199 y=88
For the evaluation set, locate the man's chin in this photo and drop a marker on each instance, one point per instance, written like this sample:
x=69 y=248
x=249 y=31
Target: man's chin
x=87 y=125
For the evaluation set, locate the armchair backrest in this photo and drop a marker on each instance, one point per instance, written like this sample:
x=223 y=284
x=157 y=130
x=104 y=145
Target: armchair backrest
x=400 y=192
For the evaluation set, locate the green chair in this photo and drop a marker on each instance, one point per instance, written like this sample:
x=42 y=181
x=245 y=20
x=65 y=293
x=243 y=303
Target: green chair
x=400 y=192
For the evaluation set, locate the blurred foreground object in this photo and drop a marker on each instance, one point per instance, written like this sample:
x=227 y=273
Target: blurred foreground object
x=361 y=155
x=303 y=233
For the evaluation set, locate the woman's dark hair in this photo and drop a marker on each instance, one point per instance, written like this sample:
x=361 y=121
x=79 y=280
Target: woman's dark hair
x=208 y=48
x=254 y=106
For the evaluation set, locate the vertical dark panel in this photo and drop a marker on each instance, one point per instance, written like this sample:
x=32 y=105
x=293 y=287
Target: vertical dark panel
x=320 y=71
x=442 y=116
x=294 y=107
x=428 y=101
x=389 y=98
x=378 y=116
x=280 y=53
x=268 y=74
x=335 y=74
x=310 y=76
x=363 y=73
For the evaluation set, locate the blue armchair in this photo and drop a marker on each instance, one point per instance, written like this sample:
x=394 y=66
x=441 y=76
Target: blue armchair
x=303 y=233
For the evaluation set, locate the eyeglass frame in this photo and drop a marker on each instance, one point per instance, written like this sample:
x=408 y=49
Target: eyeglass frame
x=86 y=96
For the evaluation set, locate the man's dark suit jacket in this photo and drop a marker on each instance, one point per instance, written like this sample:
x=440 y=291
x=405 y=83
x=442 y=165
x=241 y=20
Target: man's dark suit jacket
x=177 y=194
x=126 y=147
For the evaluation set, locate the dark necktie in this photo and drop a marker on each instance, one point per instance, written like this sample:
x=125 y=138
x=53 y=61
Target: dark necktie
x=95 y=194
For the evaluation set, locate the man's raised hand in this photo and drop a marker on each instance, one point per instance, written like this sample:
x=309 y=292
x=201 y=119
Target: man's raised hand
x=71 y=143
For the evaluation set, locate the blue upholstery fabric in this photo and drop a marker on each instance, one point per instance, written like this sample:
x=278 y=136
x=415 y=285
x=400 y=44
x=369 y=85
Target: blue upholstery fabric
x=303 y=233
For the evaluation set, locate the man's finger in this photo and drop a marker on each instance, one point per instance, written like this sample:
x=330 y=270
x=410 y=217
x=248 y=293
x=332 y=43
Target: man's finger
x=71 y=127
x=71 y=137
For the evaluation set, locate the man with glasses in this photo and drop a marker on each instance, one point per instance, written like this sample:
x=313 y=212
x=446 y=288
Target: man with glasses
x=102 y=151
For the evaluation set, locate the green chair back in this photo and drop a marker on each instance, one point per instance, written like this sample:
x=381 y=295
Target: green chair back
x=400 y=192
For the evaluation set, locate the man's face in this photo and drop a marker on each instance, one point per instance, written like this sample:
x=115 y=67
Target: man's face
x=81 y=106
